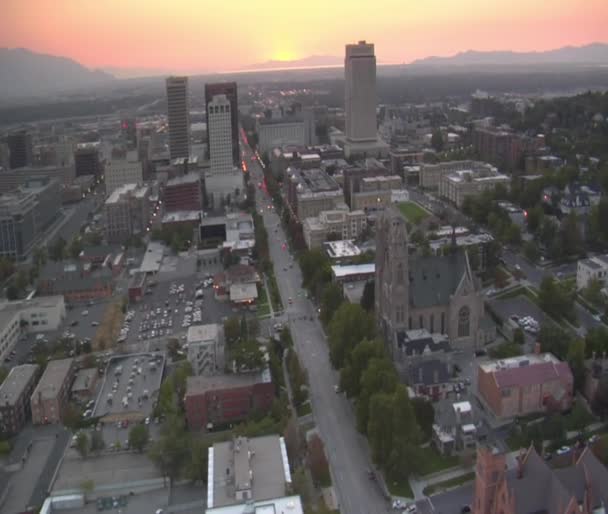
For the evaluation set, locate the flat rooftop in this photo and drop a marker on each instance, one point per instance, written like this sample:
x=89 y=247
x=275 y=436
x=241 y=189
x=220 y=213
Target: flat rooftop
x=188 y=178
x=83 y=379
x=126 y=189
x=12 y=388
x=313 y=180
x=519 y=361
x=353 y=269
x=341 y=249
x=259 y=465
x=286 y=504
x=201 y=384
x=200 y=333
x=55 y=374
x=177 y=216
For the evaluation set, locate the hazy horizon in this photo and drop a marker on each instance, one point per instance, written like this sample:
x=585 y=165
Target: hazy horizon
x=180 y=37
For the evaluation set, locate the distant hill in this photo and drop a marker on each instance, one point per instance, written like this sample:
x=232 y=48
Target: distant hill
x=306 y=62
x=26 y=73
x=595 y=53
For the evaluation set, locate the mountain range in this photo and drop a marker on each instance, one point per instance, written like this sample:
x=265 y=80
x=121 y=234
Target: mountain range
x=312 y=61
x=30 y=74
x=594 y=53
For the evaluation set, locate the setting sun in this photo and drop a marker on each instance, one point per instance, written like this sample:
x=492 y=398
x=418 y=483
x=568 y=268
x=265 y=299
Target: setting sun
x=284 y=55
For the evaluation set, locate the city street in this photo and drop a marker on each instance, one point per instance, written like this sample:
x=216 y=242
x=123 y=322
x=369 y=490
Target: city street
x=347 y=450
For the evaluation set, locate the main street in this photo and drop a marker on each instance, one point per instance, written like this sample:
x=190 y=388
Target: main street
x=347 y=450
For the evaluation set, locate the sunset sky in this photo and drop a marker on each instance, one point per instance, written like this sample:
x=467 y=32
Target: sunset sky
x=204 y=35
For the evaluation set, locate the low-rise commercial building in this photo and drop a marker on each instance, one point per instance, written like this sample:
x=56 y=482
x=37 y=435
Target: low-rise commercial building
x=119 y=172
x=234 y=232
x=184 y=193
x=375 y=192
x=77 y=282
x=431 y=174
x=524 y=385
x=593 y=268
x=353 y=273
x=52 y=392
x=215 y=401
x=127 y=212
x=341 y=223
x=430 y=379
x=179 y=219
x=15 y=394
x=87 y=160
x=84 y=386
x=459 y=185
x=246 y=470
x=310 y=192
x=206 y=348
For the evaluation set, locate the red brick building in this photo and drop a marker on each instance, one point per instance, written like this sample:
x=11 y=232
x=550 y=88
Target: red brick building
x=15 y=394
x=184 y=193
x=534 y=487
x=223 y=399
x=524 y=385
x=52 y=392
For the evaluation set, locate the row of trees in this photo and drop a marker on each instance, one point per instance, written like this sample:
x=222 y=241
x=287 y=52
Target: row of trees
x=178 y=239
x=384 y=411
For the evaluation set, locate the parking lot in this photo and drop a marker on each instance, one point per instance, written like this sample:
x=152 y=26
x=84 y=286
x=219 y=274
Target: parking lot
x=130 y=387
x=520 y=306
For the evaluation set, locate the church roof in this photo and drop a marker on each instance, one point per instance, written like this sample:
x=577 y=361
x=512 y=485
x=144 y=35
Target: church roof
x=435 y=278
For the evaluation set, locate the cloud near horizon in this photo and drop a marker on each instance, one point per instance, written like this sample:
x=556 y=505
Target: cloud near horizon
x=201 y=35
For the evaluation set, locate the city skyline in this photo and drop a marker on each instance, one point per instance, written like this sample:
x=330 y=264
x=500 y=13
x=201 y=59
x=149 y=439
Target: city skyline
x=401 y=31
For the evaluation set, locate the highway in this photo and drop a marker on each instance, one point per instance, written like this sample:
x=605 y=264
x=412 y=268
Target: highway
x=347 y=450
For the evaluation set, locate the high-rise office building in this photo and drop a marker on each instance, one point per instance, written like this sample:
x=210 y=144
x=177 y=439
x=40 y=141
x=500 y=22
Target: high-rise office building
x=219 y=130
x=178 y=115
x=87 y=160
x=360 y=101
x=19 y=149
x=223 y=180
x=229 y=89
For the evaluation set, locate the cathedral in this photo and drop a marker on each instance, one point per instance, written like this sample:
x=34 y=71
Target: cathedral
x=437 y=293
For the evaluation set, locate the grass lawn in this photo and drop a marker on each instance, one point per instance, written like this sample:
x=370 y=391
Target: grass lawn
x=263 y=307
x=401 y=489
x=413 y=212
x=304 y=409
x=432 y=461
x=453 y=482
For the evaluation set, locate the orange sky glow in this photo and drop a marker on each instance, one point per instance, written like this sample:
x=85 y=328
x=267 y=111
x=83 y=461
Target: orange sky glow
x=204 y=35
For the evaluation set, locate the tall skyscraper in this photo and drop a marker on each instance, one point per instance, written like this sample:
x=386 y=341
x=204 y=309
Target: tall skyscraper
x=219 y=130
x=19 y=149
x=229 y=89
x=223 y=180
x=360 y=101
x=179 y=117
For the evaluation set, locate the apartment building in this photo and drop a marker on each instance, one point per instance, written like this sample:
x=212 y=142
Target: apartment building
x=214 y=401
x=342 y=223
x=51 y=394
x=593 y=268
x=456 y=187
x=430 y=175
x=15 y=394
x=127 y=212
x=184 y=193
x=309 y=192
x=119 y=172
x=206 y=348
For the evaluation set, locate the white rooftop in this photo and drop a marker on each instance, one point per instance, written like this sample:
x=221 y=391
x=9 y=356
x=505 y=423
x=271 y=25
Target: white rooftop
x=462 y=407
x=353 y=269
x=202 y=333
x=343 y=248
x=519 y=361
x=284 y=505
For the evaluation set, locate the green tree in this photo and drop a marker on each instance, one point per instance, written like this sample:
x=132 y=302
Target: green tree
x=57 y=249
x=82 y=444
x=330 y=301
x=97 y=442
x=425 y=415
x=72 y=416
x=576 y=360
x=593 y=292
x=379 y=429
x=350 y=375
x=596 y=341
x=554 y=340
x=368 y=298
x=197 y=465
x=531 y=251
x=166 y=398
x=519 y=336
x=378 y=377
x=535 y=218
x=21 y=280
x=557 y=298
x=232 y=330
x=512 y=234
x=437 y=140
x=139 y=437
x=172 y=450
x=319 y=467
x=75 y=247
x=349 y=325
x=173 y=347
x=248 y=356
x=180 y=378
x=572 y=242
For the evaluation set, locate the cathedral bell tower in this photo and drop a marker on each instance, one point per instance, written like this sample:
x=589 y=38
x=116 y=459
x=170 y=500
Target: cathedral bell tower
x=392 y=275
